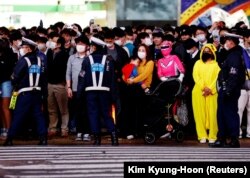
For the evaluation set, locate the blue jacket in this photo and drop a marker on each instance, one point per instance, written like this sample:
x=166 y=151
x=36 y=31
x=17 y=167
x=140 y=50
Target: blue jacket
x=97 y=76
x=20 y=76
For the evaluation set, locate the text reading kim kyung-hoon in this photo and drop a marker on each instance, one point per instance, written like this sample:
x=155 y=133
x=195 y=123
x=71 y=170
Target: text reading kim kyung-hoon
x=185 y=169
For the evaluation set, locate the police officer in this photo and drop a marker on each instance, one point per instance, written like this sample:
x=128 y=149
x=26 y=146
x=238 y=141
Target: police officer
x=97 y=82
x=231 y=78
x=29 y=81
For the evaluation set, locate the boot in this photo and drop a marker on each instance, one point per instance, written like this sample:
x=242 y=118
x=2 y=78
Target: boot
x=219 y=143
x=234 y=143
x=8 y=142
x=114 y=139
x=43 y=140
x=97 y=139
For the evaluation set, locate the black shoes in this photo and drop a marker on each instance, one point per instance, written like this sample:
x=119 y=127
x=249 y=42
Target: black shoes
x=114 y=139
x=8 y=142
x=43 y=141
x=97 y=139
x=234 y=143
x=218 y=144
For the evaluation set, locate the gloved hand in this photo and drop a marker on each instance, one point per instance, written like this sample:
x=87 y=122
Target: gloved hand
x=181 y=77
x=163 y=79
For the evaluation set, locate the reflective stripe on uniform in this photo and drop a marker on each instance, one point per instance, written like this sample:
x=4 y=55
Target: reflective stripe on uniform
x=97 y=86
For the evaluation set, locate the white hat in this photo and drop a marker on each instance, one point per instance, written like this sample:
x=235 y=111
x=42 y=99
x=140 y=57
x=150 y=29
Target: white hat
x=26 y=41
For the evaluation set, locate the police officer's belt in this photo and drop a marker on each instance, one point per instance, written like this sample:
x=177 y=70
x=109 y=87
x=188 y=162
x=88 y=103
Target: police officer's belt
x=29 y=89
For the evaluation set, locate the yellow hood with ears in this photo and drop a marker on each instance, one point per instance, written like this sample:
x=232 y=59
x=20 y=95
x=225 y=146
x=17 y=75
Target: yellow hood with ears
x=211 y=47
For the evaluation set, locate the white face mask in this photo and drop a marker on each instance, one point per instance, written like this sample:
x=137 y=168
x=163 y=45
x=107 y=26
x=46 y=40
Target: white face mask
x=201 y=37
x=80 y=48
x=226 y=47
x=22 y=52
x=51 y=44
x=141 y=55
x=41 y=46
x=118 y=42
x=148 y=41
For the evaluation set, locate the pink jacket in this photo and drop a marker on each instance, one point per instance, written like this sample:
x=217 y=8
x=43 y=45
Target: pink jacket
x=169 y=66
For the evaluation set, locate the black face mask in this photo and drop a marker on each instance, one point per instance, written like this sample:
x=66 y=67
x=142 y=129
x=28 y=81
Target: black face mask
x=206 y=56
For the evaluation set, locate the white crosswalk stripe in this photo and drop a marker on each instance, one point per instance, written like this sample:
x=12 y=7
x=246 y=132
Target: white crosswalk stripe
x=104 y=161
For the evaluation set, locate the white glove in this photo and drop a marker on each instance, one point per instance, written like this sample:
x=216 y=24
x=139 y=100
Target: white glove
x=181 y=77
x=163 y=79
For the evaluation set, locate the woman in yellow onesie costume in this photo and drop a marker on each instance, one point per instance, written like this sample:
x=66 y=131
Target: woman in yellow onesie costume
x=204 y=94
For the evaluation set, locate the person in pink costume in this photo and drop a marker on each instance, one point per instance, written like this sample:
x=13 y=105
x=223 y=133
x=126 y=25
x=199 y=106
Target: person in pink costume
x=170 y=65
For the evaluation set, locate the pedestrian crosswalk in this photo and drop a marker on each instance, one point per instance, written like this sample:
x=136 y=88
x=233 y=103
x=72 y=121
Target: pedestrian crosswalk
x=103 y=161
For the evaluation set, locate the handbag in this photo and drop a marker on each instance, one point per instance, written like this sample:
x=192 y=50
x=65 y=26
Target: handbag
x=180 y=112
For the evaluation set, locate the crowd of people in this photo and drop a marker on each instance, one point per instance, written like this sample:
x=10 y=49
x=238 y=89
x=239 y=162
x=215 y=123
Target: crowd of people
x=73 y=80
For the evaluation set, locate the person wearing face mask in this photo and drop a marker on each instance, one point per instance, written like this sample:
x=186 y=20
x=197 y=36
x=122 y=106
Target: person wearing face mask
x=170 y=65
x=98 y=83
x=130 y=70
x=201 y=36
x=191 y=47
x=29 y=81
x=41 y=44
x=57 y=90
x=204 y=94
x=77 y=107
x=230 y=80
x=135 y=97
x=120 y=40
x=142 y=38
x=120 y=57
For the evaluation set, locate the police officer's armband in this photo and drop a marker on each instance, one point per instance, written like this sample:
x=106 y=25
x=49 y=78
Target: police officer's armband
x=13 y=100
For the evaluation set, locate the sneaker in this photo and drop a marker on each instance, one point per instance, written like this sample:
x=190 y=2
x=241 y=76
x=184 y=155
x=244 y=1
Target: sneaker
x=86 y=137
x=248 y=135
x=165 y=135
x=147 y=91
x=211 y=141
x=203 y=140
x=240 y=136
x=78 y=137
x=130 y=137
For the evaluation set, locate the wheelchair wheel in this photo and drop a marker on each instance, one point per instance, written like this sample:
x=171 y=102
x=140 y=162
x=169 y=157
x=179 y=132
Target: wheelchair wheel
x=149 y=138
x=179 y=136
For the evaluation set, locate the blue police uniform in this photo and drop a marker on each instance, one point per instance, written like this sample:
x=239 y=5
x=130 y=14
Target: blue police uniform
x=29 y=80
x=231 y=79
x=97 y=82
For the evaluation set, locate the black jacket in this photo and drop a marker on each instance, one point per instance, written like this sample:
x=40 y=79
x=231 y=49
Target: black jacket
x=232 y=74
